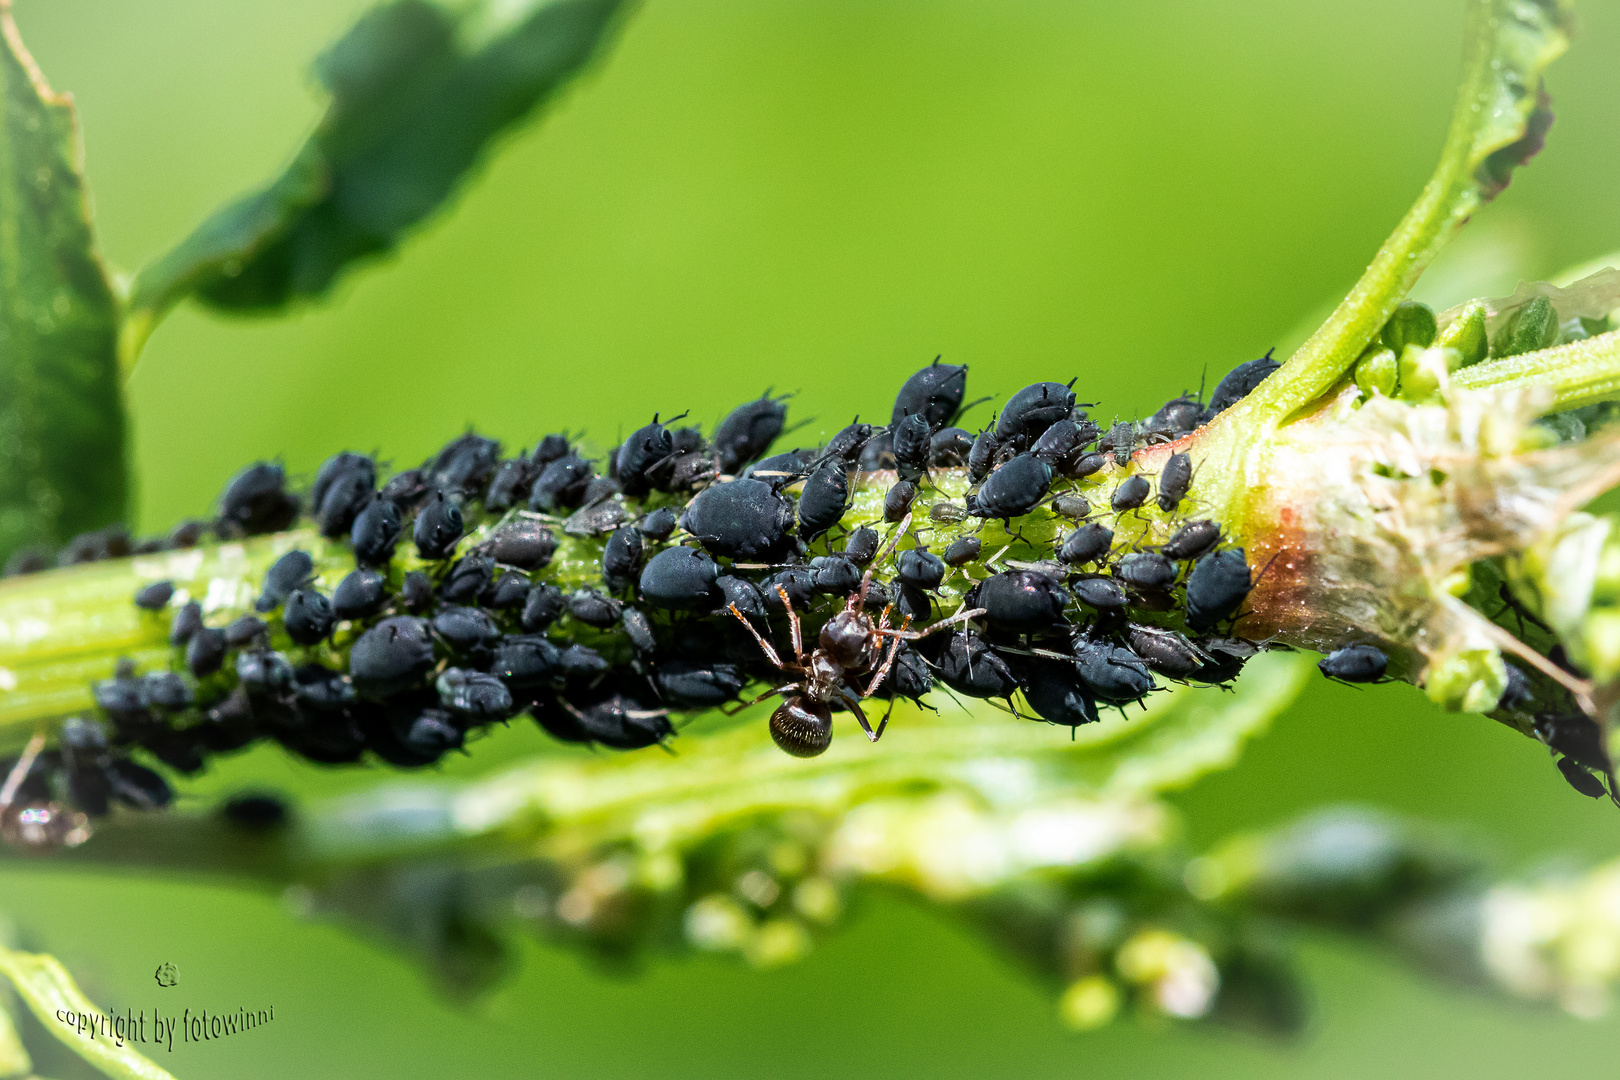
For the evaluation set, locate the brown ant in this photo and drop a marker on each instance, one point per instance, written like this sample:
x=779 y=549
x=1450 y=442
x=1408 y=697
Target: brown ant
x=849 y=645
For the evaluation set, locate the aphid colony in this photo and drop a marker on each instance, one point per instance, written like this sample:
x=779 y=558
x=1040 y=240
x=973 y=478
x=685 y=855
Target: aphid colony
x=720 y=568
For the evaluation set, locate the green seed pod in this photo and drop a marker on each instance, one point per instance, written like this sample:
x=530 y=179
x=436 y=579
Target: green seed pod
x=1471 y=680
x=1421 y=371
x=1411 y=324
x=1532 y=327
x=1377 y=373
x=1467 y=335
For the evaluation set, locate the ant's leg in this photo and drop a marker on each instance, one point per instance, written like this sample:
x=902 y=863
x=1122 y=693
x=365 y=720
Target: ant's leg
x=855 y=707
x=913 y=635
x=883 y=671
x=793 y=624
x=733 y=710
x=770 y=653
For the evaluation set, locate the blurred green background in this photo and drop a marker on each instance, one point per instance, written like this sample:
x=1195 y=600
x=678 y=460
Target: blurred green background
x=820 y=196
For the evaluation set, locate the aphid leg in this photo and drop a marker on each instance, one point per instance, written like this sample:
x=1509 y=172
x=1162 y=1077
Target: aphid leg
x=770 y=653
x=793 y=624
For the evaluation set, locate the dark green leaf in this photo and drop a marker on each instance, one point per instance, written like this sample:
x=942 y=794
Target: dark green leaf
x=419 y=91
x=62 y=465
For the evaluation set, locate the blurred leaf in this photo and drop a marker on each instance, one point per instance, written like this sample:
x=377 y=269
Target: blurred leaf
x=62 y=466
x=47 y=988
x=419 y=91
x=1500 y=120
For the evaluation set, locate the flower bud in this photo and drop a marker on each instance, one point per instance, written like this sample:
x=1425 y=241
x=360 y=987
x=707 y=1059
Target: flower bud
x=1466 y=333
x=1534 y=326
x=1411 y=324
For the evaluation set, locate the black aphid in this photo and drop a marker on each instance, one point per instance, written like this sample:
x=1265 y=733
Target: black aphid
x=919 y=568
x=982 y=455
x=1071 y=506
x=265 y=672
x=464 y=465
x=1146 y=570
x=1057 y=694
x=593 y=609
x=467 y=579
x=526 y=659
x=255 y=501
x=509 y=592
x=778 y=470
x=835 y=575
x=910 y=442
x=621 y=557
x=156 y=596
x=205 y=652
x=971 y=667
x=1112 y=672
x=697 y=686
x=187 y=621
x=1581 y=780
x=823 y=500
x=747 y=432
x=799 y=583
x=744 y=595
x=406 y=489
x=1191 y=540
x=878 y=453
x=862 y=546
x=845 y=447
x=1165 y=651
x=638 y=454
x=561 y=484
x=638 y=628
x=245 y=631
x=744 y=519
x=680 y=577
x=1176 y=417
x=287 y=573
x=935 y=393
x=474 y=695
x=541 y=609
x=950 y=447
x=1031 y=411
x=1354 y=664
x=658 y=525
x=1132 y=492
x=1019 y=601
x=390 y=656
x=416 y=591
x=1216 y=587
x=897 y=503
x=1088 y=543
x=511 y=485
x=438 y=527
x=375 y=531
x=1102 y=593
x=359 y=594
x=1015 y=488
x=1064 y=443
x=467 y=629
x=550 y=449
x=322 y=689
x=522 y=542
x=1174 y=480
x=308 y=618
x=962 y=551
x=1239 y=384
x=254 y=812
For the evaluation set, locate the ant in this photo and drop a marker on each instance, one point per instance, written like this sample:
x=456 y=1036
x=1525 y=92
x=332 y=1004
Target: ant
x=849 y=644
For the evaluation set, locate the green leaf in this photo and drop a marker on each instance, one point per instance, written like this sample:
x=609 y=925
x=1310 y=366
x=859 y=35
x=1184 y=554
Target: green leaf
x=419 y=92
x=14 y=1059
x=1500 y=120
x=62 y=432
x=49 y=990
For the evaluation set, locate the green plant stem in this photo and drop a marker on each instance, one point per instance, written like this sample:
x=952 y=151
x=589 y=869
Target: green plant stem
x=1507 y=46
x=1580 y=373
